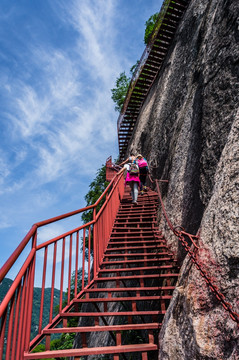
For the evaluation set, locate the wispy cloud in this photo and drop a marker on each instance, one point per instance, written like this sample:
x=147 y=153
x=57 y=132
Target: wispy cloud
x=58 y=122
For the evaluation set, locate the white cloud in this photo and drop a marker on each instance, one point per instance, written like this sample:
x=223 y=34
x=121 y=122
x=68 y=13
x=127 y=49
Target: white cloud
x=4 y=168
x=94 y=22
x=63 y=115
x=4 y=222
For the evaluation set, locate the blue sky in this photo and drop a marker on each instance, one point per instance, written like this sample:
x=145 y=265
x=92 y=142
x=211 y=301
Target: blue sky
x=58 y=61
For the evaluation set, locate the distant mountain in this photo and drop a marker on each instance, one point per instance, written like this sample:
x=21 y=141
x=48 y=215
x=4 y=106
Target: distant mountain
x=4 y=287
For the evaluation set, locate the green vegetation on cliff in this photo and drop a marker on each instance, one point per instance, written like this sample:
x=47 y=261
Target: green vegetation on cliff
x=122 y=83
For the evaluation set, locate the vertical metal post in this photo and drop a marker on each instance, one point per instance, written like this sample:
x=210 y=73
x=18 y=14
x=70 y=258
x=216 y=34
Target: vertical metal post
x=89 y=251
x=42 y=290
x=69 y=272
x=76 y=266
x=10 y=327
x=2 y=332
x=53 y=282
x=30 y=293
x=94 y=242
x=62 y=273
x=83 y=261
x=15 y=331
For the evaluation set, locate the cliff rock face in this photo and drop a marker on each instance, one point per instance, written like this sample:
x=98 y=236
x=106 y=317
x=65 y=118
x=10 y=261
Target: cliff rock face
x=188 y=129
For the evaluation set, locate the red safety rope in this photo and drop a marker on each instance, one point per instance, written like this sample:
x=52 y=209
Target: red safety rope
x=181 y=234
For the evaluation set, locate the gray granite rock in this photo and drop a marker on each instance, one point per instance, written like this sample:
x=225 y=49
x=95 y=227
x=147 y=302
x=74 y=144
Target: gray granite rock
x=188 y=130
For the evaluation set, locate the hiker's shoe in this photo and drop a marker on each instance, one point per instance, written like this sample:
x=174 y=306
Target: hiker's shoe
x=134 y=202
x=142 y=192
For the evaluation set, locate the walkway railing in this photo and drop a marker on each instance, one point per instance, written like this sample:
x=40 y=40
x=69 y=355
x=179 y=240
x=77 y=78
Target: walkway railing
x=55 y=265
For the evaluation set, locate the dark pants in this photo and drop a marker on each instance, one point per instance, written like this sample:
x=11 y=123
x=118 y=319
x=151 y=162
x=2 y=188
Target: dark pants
x=143 y=171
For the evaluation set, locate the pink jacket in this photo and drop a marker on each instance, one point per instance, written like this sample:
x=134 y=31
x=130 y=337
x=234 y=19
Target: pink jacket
x=132 y=177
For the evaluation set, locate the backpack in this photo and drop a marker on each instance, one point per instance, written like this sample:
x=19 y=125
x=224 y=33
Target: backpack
x=134 y=168
x=142 y=162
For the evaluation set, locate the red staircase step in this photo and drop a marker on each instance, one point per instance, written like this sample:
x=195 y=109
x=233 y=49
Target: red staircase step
x=132 y=236
x=131 y=289
x=125 y=327
x=150 y=276
x=91 y=351
x=145 y=268
x=136 y=243
x=112 y=313
x=137 y=261
x=136 y=254
x=124 y=298
x=139 y=248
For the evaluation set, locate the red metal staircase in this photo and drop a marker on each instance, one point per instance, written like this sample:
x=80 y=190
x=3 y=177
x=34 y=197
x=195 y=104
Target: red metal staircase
x=130 y=294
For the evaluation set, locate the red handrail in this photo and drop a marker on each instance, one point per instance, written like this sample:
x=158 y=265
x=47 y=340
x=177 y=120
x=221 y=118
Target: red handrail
x=182 y=235
x=61 y=258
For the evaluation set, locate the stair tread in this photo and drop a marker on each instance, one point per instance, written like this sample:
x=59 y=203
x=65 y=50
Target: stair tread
x=135 y=254
x=124 y=236
x=91 y=351
x=136 y=242
x=140 y=248
x=150 y=276
x=124 y=298
x=138 y=260
x=132 y=288
x=113 y=313
x=144 y=326
x=143 y=268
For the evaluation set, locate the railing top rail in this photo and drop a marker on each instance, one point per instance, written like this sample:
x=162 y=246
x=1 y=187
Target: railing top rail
x=16 y=282
x=11 y=260
x=49 y=242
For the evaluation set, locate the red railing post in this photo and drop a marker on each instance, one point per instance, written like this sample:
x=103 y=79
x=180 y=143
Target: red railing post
x=83 y=262
x=62 y=273
x=28 y=308
x=69 y=271
x=53 y=282
x=43 y=290
x=89 y=252
x=76 y=264
x=94 y=243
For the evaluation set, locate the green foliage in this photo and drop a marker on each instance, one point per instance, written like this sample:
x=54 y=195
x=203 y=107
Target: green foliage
x=97 y=187
x=121 y=87
x=4 y=287
x=79 y=283
x=120 y=90
x=150 y=23
x=122 y=83
x=133 y=68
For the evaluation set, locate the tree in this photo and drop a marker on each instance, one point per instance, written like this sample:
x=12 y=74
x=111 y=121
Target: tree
x=121 y=87
x=122 y=83
x=97 y=187
x=120 y=91
x=150 y=23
